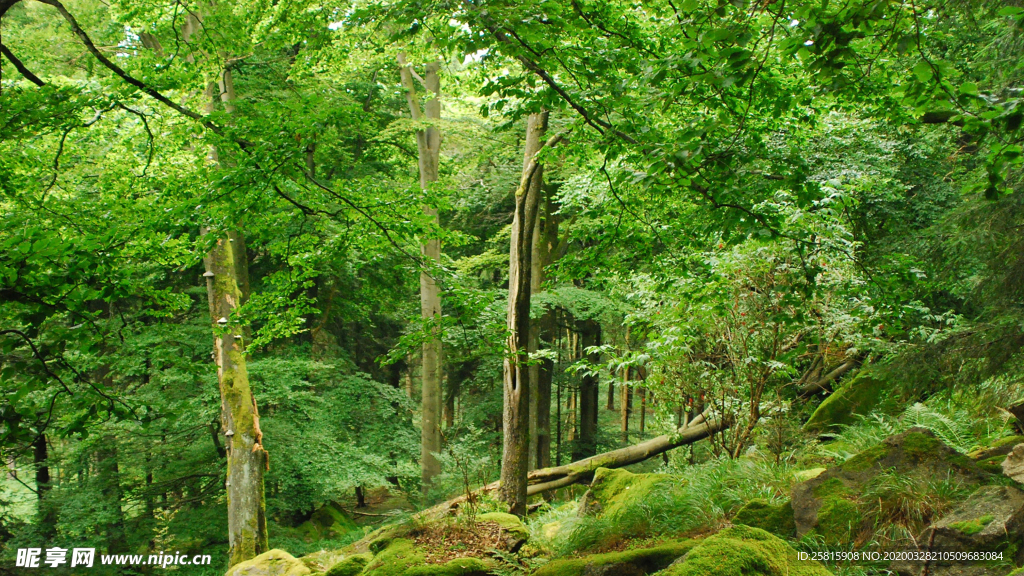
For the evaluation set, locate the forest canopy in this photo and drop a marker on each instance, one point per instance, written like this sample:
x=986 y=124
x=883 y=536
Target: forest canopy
x=275 y=274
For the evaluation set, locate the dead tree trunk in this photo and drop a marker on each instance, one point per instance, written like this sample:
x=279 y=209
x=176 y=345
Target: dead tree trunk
x=428 y=142
x=515 y=457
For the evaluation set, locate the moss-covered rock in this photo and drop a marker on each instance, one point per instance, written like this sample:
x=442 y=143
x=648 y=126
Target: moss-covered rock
x=329 y=521
x=613 y=492
x=829 y=504
x=272 y=563
x=637 y=562
x=858 y=396
x=990 y=520
x=774 y=518
x=744 y=551
x=513 y=532
x=350 y=566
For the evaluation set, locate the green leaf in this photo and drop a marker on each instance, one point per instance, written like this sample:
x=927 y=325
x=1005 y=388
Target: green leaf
x=923 y=71
x=1010 y=10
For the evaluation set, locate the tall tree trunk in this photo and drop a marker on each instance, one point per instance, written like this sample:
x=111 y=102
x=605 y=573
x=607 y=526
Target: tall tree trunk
x=428 y=142
x=590 y=335
x=109 y=475
x=643 y=410
x=246 y=458
x=545 y=241
x=515 y=459
x=627 y=404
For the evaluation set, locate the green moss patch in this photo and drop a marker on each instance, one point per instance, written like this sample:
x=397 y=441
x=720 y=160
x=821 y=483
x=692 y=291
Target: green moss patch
x=744 y=551
x=612 y=492
x=645 y=560
x=774 y=518
x=350 y=566
x=971 y=527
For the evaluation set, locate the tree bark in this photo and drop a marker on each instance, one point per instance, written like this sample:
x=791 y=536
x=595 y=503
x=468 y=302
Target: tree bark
x=590 y=335
x=246 y=458
x=516 y=454
x=626 y=404
x=428 y=143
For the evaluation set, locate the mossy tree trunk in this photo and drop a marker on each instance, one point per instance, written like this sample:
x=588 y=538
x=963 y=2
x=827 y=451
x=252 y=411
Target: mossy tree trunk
x=428 y=142
x=246 y=458
x=516 y=455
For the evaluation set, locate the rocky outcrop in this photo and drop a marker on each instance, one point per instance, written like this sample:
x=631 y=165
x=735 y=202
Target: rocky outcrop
x=829 y=504
x=272 y=563
x=990 y=520
x=1013 y=465
x=744 y=551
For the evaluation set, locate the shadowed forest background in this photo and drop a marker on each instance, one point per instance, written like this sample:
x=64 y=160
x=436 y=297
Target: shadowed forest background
x=274 y=274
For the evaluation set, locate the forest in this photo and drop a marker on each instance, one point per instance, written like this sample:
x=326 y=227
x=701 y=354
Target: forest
x=512 y=287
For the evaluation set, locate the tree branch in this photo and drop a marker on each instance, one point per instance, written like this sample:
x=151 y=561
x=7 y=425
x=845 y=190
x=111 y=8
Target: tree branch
x=21 y=67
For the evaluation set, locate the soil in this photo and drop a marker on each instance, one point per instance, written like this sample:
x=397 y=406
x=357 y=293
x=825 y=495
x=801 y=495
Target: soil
x=448 y=541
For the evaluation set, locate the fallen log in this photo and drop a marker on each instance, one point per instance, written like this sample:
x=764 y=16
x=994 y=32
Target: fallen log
x=545 y=479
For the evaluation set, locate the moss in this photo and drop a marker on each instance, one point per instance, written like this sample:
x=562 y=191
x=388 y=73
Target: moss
x=1008 y=441
x=831 y=487
x=838 y=520
x=866 y=459
x=860 y=396
x=350 y=566
x=744 y=551
x=920 y=445
x=329 y=521
x=393 y=560
x=618 y=490
x=507 y=522
x=774 y=518
x=649 y=560
x=972 y=527
x=993 y=464
x=272 y=563
x=457 y=567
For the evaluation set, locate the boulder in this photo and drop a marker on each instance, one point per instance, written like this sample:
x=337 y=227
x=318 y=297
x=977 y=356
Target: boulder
x=272 y=563
x=774 y=518
x=990 y=520
x=327 y=522
x=614 y=491
x=351 y=566
x=744 y=551
x=1013 y=465
x=829 y=504
x=637 y=562
x=513 y=532
x=859 y=396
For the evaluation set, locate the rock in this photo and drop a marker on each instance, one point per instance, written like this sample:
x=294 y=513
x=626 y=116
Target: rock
x=350 y=566
x=990 y=520
x=1013 y=465
x=329 y=521
x=638 y=562
x=513 y=532
x=743 y=551
x=272 y=563
x=829 y=503
x=859 y=396
x=1000 y=447
x=401 y=558
x=615 y=491
x=774 y=518
x=805 y=475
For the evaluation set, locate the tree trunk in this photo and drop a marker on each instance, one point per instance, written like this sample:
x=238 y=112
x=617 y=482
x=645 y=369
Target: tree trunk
x=109 y=475
x=515 y=459
x=643 y=410
x=611 y=396
x=428 y=142
x=246 y=458
x=590 y=335
x=626 y=405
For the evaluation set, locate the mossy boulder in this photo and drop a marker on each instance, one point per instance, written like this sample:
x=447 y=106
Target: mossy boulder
x=513 y=532
x=829 y=504
x=858 y=396
x=350 y=566
x=272 y=563
x=329 y=521
x=613 y=492
x=990 y=520
x=774 y=518
x=402 y=558
x=744 y=551
x=636 y=562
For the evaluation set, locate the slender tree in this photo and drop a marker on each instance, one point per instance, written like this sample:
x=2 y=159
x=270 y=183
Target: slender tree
x=428 y=143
